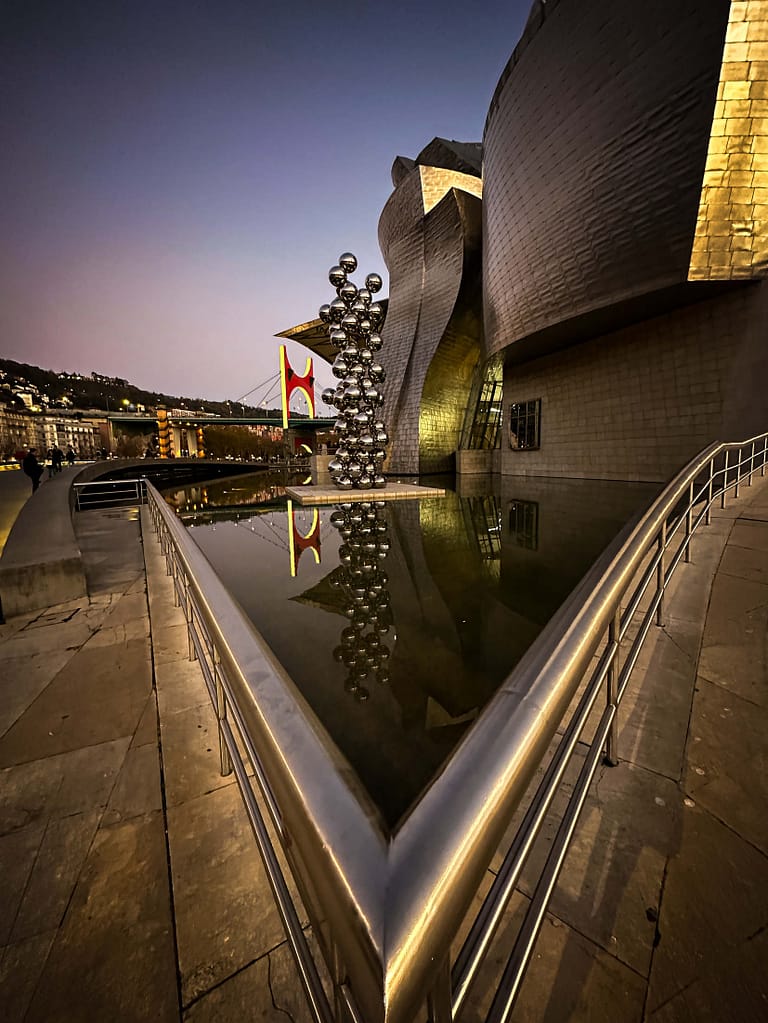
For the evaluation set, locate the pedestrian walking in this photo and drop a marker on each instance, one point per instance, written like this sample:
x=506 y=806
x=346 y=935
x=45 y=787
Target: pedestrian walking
x=71 y=455
x=32 y=468
x=58 y=459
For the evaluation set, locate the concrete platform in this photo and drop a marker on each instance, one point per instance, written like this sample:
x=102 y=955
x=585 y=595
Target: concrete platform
x=131 y=887
x=332 y=495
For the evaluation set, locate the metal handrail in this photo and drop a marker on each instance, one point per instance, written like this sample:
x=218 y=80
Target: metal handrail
x=386 y=907
x=100 y=493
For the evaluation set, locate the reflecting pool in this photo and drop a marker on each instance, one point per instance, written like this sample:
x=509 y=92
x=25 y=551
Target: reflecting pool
x=398 y=620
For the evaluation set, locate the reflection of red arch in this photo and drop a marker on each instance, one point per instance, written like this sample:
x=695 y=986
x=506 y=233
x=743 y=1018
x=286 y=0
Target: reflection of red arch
x=291 y=381
x=298 y=542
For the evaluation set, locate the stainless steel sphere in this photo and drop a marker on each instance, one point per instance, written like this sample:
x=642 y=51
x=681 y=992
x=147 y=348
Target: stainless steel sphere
x=329 y=395
x=337 y=275
x=339 y=368
x=364 y=296
x=349 y=322
x=373 y=283
x=338 y=337
x=337 y=310
x=324 y=312
x=348 y=293
x=348 y=262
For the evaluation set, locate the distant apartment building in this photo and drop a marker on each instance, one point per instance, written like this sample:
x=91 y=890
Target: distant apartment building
x=21 y=430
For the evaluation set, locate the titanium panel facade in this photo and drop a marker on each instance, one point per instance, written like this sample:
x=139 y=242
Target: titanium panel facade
x=594 y=155
x=429 y=232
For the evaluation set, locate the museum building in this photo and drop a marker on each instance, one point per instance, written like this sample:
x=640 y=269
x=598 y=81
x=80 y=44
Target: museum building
x=584 y=294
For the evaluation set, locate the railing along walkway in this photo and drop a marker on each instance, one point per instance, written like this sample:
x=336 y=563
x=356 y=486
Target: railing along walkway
x=386 y=908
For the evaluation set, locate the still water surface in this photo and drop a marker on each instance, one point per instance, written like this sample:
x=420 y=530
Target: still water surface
x=398 y=622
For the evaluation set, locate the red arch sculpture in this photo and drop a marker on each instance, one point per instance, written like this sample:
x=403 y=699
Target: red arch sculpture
x=290 y=381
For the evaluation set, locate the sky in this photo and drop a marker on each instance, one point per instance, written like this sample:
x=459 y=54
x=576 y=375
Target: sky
x=178 y=177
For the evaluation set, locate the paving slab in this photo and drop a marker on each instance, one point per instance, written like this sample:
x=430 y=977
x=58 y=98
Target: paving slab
x=727 y=769
x=733 y=647
x=137 y=790
x=99 y=695
x=191 y=754
x=715 y=901
x=265 y=990
x=23 y=678
x=59 y=860
x=147 y=729
x=35 y=638
x=113 y=958
x=20 y=968
x=737 y=992
x=18 y=852
x=38 y=791
x=225 y=914
x=180 y=685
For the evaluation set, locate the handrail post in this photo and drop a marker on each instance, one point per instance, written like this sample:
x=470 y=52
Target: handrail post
x=689 y=524
x=175 y=579
x=611 y=744
x=751 y=465
x=440 y=1009
x=725 y=481
x=660 y=582
x=708 y=517
x=221 y=714
x=191 y=651
x=765 y=454
x=738 y=475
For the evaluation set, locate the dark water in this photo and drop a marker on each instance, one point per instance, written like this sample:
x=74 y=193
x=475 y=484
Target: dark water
x=400 y=630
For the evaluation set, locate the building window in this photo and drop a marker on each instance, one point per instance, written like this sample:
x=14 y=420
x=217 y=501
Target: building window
x=524 y=523
x=525 y=425
x=484 y=432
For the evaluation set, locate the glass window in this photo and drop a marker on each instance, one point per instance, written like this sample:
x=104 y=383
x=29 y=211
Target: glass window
x=485 y=424
x=525 y=425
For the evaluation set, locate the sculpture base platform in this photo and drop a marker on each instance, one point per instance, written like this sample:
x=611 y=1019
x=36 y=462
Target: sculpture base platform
x=332 y=495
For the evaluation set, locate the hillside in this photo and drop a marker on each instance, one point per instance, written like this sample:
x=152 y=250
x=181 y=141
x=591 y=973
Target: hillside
x=73 y=390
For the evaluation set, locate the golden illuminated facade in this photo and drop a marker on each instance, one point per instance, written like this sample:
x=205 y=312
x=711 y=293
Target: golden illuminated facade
x=731 y=240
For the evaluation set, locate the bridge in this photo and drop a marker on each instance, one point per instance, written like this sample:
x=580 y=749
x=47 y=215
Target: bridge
x=186 y=433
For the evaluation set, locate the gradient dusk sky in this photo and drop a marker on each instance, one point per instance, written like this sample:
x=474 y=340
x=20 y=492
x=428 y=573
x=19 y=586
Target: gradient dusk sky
x=177 y=177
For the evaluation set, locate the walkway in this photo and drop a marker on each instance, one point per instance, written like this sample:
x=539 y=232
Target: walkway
x=132 y=890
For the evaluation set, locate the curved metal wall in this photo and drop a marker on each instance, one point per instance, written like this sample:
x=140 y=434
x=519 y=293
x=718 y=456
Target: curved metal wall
x=594 y=154
x=432 y=333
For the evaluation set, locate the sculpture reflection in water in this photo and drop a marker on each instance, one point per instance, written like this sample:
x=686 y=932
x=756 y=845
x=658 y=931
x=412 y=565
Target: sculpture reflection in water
x=354 y=320
x=364 y=584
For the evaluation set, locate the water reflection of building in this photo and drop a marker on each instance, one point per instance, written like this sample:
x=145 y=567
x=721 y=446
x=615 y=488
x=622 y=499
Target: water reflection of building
x=228 y=498
x=467 y=584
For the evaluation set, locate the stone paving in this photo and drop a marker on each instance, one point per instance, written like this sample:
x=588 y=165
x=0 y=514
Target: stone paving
x=132 y=889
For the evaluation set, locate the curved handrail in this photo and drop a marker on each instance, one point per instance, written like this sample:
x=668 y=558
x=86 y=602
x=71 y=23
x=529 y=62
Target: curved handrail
x=393 y=903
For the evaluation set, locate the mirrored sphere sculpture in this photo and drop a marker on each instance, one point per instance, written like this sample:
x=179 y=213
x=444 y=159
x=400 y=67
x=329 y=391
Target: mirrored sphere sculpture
x=366 y=603
x=353 y=322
